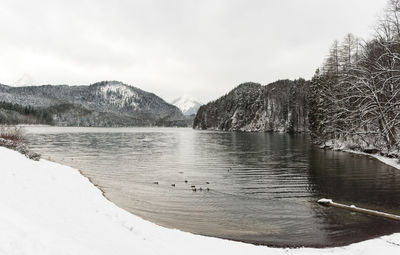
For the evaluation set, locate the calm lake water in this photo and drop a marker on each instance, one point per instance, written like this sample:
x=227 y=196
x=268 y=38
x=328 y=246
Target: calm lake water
x=262 y=187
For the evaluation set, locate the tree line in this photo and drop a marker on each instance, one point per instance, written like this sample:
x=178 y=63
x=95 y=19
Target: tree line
x=16 y=114
x=355 y=95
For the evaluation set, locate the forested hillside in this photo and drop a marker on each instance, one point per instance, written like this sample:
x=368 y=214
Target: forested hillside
x=108 y=103
x=279 y=106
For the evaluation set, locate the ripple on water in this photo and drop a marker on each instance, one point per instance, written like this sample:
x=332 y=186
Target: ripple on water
x=262 y=187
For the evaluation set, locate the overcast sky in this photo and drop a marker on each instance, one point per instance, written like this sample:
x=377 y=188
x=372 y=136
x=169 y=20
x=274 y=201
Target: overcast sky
x=202 y=48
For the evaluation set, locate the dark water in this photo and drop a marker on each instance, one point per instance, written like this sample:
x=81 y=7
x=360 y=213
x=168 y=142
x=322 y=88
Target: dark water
x=263 y=187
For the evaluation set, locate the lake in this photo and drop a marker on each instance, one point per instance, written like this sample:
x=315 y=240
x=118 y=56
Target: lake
x=259 y=188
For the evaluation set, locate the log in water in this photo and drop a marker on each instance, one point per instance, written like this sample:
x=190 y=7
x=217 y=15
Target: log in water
x=329 y=202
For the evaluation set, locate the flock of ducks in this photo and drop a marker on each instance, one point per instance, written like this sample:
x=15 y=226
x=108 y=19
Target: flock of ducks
x=193 y=187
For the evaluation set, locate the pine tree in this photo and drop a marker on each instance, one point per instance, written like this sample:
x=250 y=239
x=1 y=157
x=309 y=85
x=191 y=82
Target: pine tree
x=316 y=112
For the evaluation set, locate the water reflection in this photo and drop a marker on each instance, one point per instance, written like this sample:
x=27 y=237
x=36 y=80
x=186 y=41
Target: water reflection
x=263 y=187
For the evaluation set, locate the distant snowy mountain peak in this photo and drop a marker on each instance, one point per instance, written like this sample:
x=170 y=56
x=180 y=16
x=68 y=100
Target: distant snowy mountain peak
x=187 y=104
x=24 y=80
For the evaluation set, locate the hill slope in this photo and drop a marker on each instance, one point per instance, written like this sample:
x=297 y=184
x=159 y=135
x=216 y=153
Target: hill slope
x=280 y=106
x=107 y=103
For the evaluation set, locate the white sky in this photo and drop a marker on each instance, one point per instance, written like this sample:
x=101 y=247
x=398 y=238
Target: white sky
x=172 y=47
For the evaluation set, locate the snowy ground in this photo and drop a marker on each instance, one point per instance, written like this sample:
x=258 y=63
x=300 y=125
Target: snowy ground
x=48 y=208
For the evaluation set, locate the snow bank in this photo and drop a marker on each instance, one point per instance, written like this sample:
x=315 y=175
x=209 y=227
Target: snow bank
x=340 y=145
x=48 y=208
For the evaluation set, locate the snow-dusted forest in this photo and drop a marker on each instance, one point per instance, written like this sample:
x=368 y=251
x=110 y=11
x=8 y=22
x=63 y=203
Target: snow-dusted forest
x=355 y=96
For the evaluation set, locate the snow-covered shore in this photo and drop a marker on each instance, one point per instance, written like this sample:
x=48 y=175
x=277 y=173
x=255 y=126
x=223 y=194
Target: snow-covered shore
x=340 y=145
x=48 y=208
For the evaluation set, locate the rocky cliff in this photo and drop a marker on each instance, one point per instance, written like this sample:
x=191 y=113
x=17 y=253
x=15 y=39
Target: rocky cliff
x=280 y=106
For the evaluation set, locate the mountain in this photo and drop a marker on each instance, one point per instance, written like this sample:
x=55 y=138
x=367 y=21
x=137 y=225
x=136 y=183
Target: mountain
x=25 y=80
x=187 y=105
x=107 y=103
x=280 y=106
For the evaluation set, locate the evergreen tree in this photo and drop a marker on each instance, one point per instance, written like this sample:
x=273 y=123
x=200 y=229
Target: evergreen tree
x=316 y=112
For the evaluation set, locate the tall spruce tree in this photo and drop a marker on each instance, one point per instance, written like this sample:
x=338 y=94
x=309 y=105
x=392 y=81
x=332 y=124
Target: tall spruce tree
x=316 y=113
